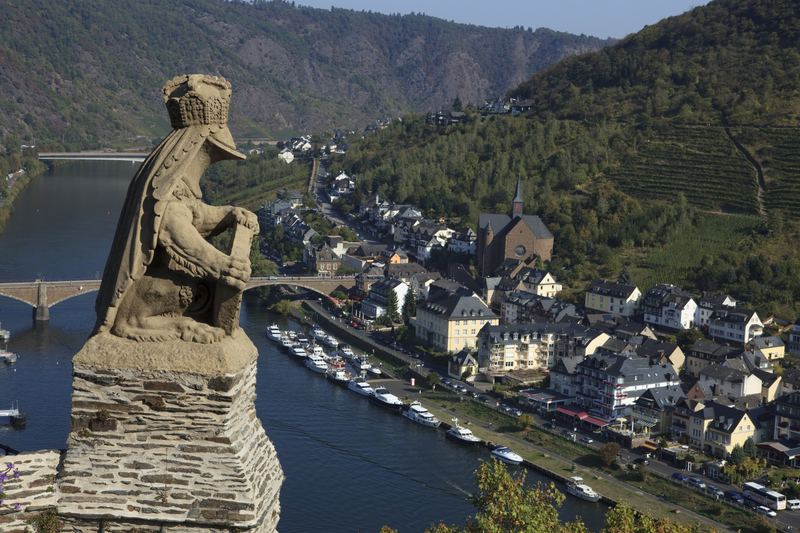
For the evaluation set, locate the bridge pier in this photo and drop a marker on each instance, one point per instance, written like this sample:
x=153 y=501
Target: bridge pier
x=41 y=313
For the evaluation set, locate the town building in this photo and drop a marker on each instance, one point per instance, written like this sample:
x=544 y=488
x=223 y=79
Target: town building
x=652 y=411
x=608 y=385
x=450 y=321
x=734 y=325
x=771 y=348
x=464 y=242
x=375 y=306
x=518 y=236
x=611 y=297
x=708 y=302
x=505 y=348
x=713 y=428
x=668 y=307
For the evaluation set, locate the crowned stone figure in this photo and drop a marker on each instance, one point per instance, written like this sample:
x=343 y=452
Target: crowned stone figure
x=163 y=280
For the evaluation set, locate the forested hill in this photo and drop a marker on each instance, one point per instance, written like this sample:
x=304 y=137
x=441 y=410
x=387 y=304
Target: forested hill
x=92 y=69
x=733 y=61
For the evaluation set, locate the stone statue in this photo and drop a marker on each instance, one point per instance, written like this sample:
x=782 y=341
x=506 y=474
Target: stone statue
x=163 y=280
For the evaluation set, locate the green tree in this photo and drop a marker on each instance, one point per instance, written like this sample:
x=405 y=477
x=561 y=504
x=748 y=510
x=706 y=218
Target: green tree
x=410 y=305
x=283 y=307
x=339 y=295
x=750 y=449
x=643 y=472
x=457 y=105
x=608 y=453
x=433 y=379
x=738 y=455
x=391 y=305
x=625 y=276
x=524 y=421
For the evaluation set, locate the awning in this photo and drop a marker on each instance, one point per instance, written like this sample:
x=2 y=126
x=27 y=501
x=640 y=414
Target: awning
x=650 y=446
x=566 y=411
x=644 y=423
x=582 y=416
x=595 y=422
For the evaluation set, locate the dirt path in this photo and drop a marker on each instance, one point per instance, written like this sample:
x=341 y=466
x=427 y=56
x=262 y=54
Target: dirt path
x=759 y=173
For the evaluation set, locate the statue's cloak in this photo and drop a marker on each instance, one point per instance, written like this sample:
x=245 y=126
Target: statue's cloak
x=136 y=236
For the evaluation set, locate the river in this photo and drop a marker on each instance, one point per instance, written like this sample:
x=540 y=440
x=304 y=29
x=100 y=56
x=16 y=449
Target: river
x=347 y=462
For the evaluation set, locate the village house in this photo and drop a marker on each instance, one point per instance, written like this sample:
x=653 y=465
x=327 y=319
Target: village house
x=708 y=302
x=421 y=282
x=726 y=381
x=652 y=411
x=771 y=348
x=367 y=277
x=668 y=307
x=734 y=325
x=610 y=297
x=464 y=242
x=375 y=306
x=711 y=427
x=462 y=363
x=564 y=376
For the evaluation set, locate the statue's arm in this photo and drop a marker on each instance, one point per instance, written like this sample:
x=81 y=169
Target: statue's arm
x=214 y=220
x=187 y=247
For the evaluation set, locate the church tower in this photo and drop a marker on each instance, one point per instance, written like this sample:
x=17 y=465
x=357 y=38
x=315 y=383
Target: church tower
x=516 y=209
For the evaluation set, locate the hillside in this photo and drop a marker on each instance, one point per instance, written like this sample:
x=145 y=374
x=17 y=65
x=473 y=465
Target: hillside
x=90 y=71
x=617 y=185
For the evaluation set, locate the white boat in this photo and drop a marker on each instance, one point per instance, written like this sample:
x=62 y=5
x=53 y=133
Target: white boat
x=346 y=351
x=318 y=333
x=420 y=415
x=298 y=351
x=5 y=334
x=291 y=334
x=8 y=357
x=316 y=349
x=360 y=386
x=337 y=373
x=361 y=363
x=317 y=364
x=273 y=333
x=374 y=371
x=287 y=343
x=506 y=455
x=462 y=435
x=386 y=399
x=331 y=341
x=301 y=339
x=578 y=488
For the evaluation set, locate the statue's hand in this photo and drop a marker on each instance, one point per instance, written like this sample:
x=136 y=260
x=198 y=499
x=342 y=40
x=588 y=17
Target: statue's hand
x=245 y=218
x=235 y=272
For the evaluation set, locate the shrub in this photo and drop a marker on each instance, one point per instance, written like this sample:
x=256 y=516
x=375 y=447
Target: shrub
x=608 y=453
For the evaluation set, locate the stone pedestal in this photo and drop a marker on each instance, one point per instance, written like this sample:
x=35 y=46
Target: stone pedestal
x=166 y=435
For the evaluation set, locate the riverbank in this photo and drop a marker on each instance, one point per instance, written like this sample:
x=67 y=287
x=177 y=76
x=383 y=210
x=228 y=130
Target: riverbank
x=35 y=168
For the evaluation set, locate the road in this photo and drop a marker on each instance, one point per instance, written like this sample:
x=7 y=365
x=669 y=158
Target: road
x=324 y=206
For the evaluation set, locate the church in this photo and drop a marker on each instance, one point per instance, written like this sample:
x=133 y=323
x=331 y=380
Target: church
x=518 y=236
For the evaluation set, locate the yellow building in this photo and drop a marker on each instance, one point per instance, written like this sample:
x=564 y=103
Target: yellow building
x=712 y=427
x=450 y=321
x=770 y=347
x=610 y=297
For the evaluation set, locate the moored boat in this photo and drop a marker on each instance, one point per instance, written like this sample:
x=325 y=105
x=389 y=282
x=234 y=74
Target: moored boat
x=360 y=386
x=506 y=455
x=462 y=435
x=420 y=415
x=337 y=373
x=317 y=333
x=362 y=363
x=316 y=363
x=286 y=343
x=386 y=399
x=301 y=339
x=578 y=488
x=273 y=333
x=331 y=341
x=346 y=351
x=298 y=352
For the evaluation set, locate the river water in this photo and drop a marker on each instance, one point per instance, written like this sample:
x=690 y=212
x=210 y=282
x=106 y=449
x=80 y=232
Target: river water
x=347 y=462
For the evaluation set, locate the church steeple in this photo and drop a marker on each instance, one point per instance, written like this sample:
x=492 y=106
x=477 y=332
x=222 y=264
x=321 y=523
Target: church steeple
x=516 y=209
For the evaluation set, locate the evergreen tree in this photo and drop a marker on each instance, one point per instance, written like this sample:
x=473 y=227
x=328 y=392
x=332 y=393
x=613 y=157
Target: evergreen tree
x=391 y=305
x=749 y=448
x=625 y=276
x=457 y=105
x=738 y=455
x=410 y=305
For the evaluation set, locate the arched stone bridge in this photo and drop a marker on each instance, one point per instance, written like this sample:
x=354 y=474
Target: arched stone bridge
x=42 y=295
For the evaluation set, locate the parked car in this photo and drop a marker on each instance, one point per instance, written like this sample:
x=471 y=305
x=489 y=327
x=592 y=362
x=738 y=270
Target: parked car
x=677 y=476
x=461 y=388
x=733 y=496
x=550 y=425
x=750 y=503
x=714 y=491
x=641 y=461
x=766 y=511
x=587 y=440
x=696 y=483
x=568 y=434
x=792 y=504
x=504 y=407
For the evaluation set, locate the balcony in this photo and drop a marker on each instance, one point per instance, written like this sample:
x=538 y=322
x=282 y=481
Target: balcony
x=679 y=423
x=783 y=424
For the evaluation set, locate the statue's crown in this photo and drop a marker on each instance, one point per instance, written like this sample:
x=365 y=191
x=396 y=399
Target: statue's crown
x=196 y=100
